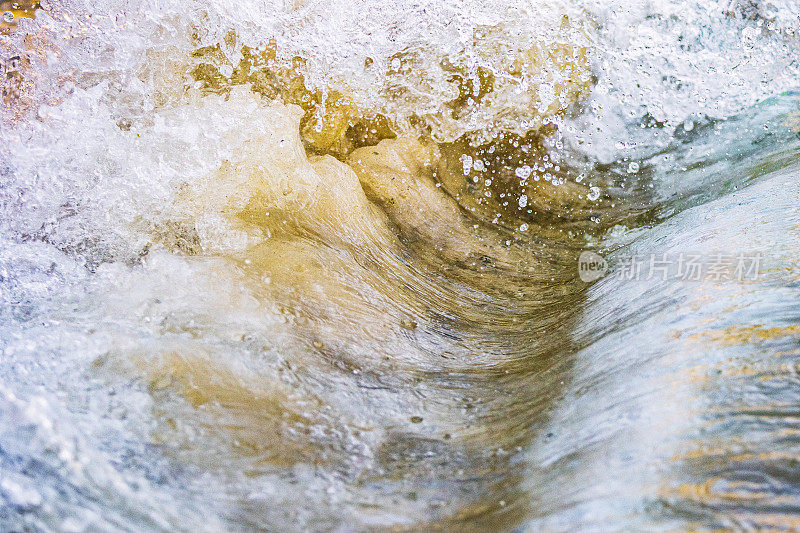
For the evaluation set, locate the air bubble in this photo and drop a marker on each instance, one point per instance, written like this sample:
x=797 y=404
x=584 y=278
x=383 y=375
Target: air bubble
x=8 y=17
x=633 y=168
x=466 y=164
x=594 y=194
x=523 y=172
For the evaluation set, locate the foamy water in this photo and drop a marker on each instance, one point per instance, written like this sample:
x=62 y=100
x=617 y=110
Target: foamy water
x=313 y=266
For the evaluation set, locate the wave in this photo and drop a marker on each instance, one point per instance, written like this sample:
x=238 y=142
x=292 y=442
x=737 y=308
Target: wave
x=316 y=265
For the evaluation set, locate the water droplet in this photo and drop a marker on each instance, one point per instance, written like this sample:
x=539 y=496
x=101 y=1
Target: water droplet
x=523 y=201
x=466 y=164
x=633 y=168
x=8 y=16
x=594 y=194
x=523 y=172
x=523 y=227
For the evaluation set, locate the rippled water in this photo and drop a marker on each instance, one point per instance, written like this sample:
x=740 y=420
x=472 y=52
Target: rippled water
x=314 y=266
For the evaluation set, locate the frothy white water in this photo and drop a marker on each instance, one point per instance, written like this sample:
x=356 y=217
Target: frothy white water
x=94 y=67
x=108 y=132
x=669 y=60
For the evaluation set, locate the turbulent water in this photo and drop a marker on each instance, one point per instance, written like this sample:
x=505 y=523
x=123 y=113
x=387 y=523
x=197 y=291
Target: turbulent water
x=367 y=265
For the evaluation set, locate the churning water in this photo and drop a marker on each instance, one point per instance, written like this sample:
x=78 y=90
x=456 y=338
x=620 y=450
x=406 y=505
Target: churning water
x=412 y=265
